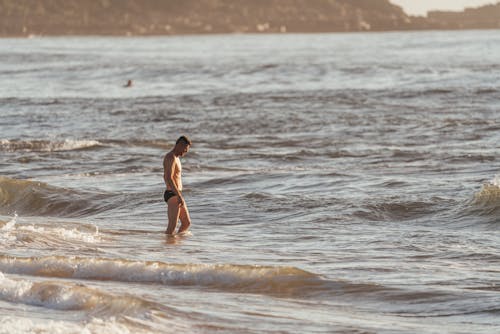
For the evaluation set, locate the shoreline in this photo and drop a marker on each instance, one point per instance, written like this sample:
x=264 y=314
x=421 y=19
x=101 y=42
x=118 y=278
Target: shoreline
x=202 y=34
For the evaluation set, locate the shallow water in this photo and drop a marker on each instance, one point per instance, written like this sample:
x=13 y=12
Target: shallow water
x=337 y=183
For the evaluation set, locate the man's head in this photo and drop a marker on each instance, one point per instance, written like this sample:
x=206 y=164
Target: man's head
x=182 y=146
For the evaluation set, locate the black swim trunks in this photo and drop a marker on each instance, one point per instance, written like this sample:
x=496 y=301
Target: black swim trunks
x=168 y=194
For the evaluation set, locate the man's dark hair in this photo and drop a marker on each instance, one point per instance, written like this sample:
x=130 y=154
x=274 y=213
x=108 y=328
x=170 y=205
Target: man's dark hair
x=184 y=139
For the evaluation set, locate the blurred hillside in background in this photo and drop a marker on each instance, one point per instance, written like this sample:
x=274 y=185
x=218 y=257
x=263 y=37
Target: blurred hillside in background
x=164 y=17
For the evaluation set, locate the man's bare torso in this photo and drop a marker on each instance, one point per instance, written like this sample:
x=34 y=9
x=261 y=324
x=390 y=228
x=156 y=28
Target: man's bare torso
x=176 y=170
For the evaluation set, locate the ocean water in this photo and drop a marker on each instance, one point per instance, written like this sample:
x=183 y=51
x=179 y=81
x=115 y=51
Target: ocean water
x=338 y=183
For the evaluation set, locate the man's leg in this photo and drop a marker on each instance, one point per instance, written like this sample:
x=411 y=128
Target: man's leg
x=185 y=219
x=173 y=214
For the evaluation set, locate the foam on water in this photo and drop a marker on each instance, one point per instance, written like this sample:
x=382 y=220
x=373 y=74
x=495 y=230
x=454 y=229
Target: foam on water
x=72 y=234
x=6 y=237
x=47 y=146
x=487 y=200
x=55 y=296
x=71 y=297
x=102 y=312
x=22 y=325
x=10 y=224
x=496 y=181
x=242 y=278
x=60 y=234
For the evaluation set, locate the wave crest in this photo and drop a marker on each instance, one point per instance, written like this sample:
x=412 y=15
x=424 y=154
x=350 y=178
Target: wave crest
x=52 y=235
x=46 y=145
x=67 y=296
x=38 y=198
x=282 y=281
x=487 y=200
x=398 y=210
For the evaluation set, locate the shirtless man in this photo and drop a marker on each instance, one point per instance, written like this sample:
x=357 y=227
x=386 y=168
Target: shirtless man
x=173 y=195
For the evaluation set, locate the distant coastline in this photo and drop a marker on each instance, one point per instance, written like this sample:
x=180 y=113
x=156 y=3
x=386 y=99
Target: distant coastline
x=20 y=18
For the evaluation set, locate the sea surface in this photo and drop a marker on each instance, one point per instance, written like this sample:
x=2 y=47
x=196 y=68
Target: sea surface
x=337 y=183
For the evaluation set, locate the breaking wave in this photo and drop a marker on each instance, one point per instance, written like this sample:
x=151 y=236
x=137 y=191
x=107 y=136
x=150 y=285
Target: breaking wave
x=397 y=210
x=46 y=145
x=66 y=296
x=272 y=280
x=486 y=202
x=37 y=198
x=59 y=235
x=101 y=311
x=20 y=325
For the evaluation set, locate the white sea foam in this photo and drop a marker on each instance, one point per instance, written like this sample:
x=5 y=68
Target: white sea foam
x=70 y=144
x=6 y=237
x=12 y=290
x=12 y=231
x=18 y=325
x=10 y=224
x=48 y=295
x=496 y=181
x=102 y=312
x=72 y=234
x=60 y=235
x=112 y=325
x=67 y=296
x=489 y=194
x=47 y=146
x=224 y=276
